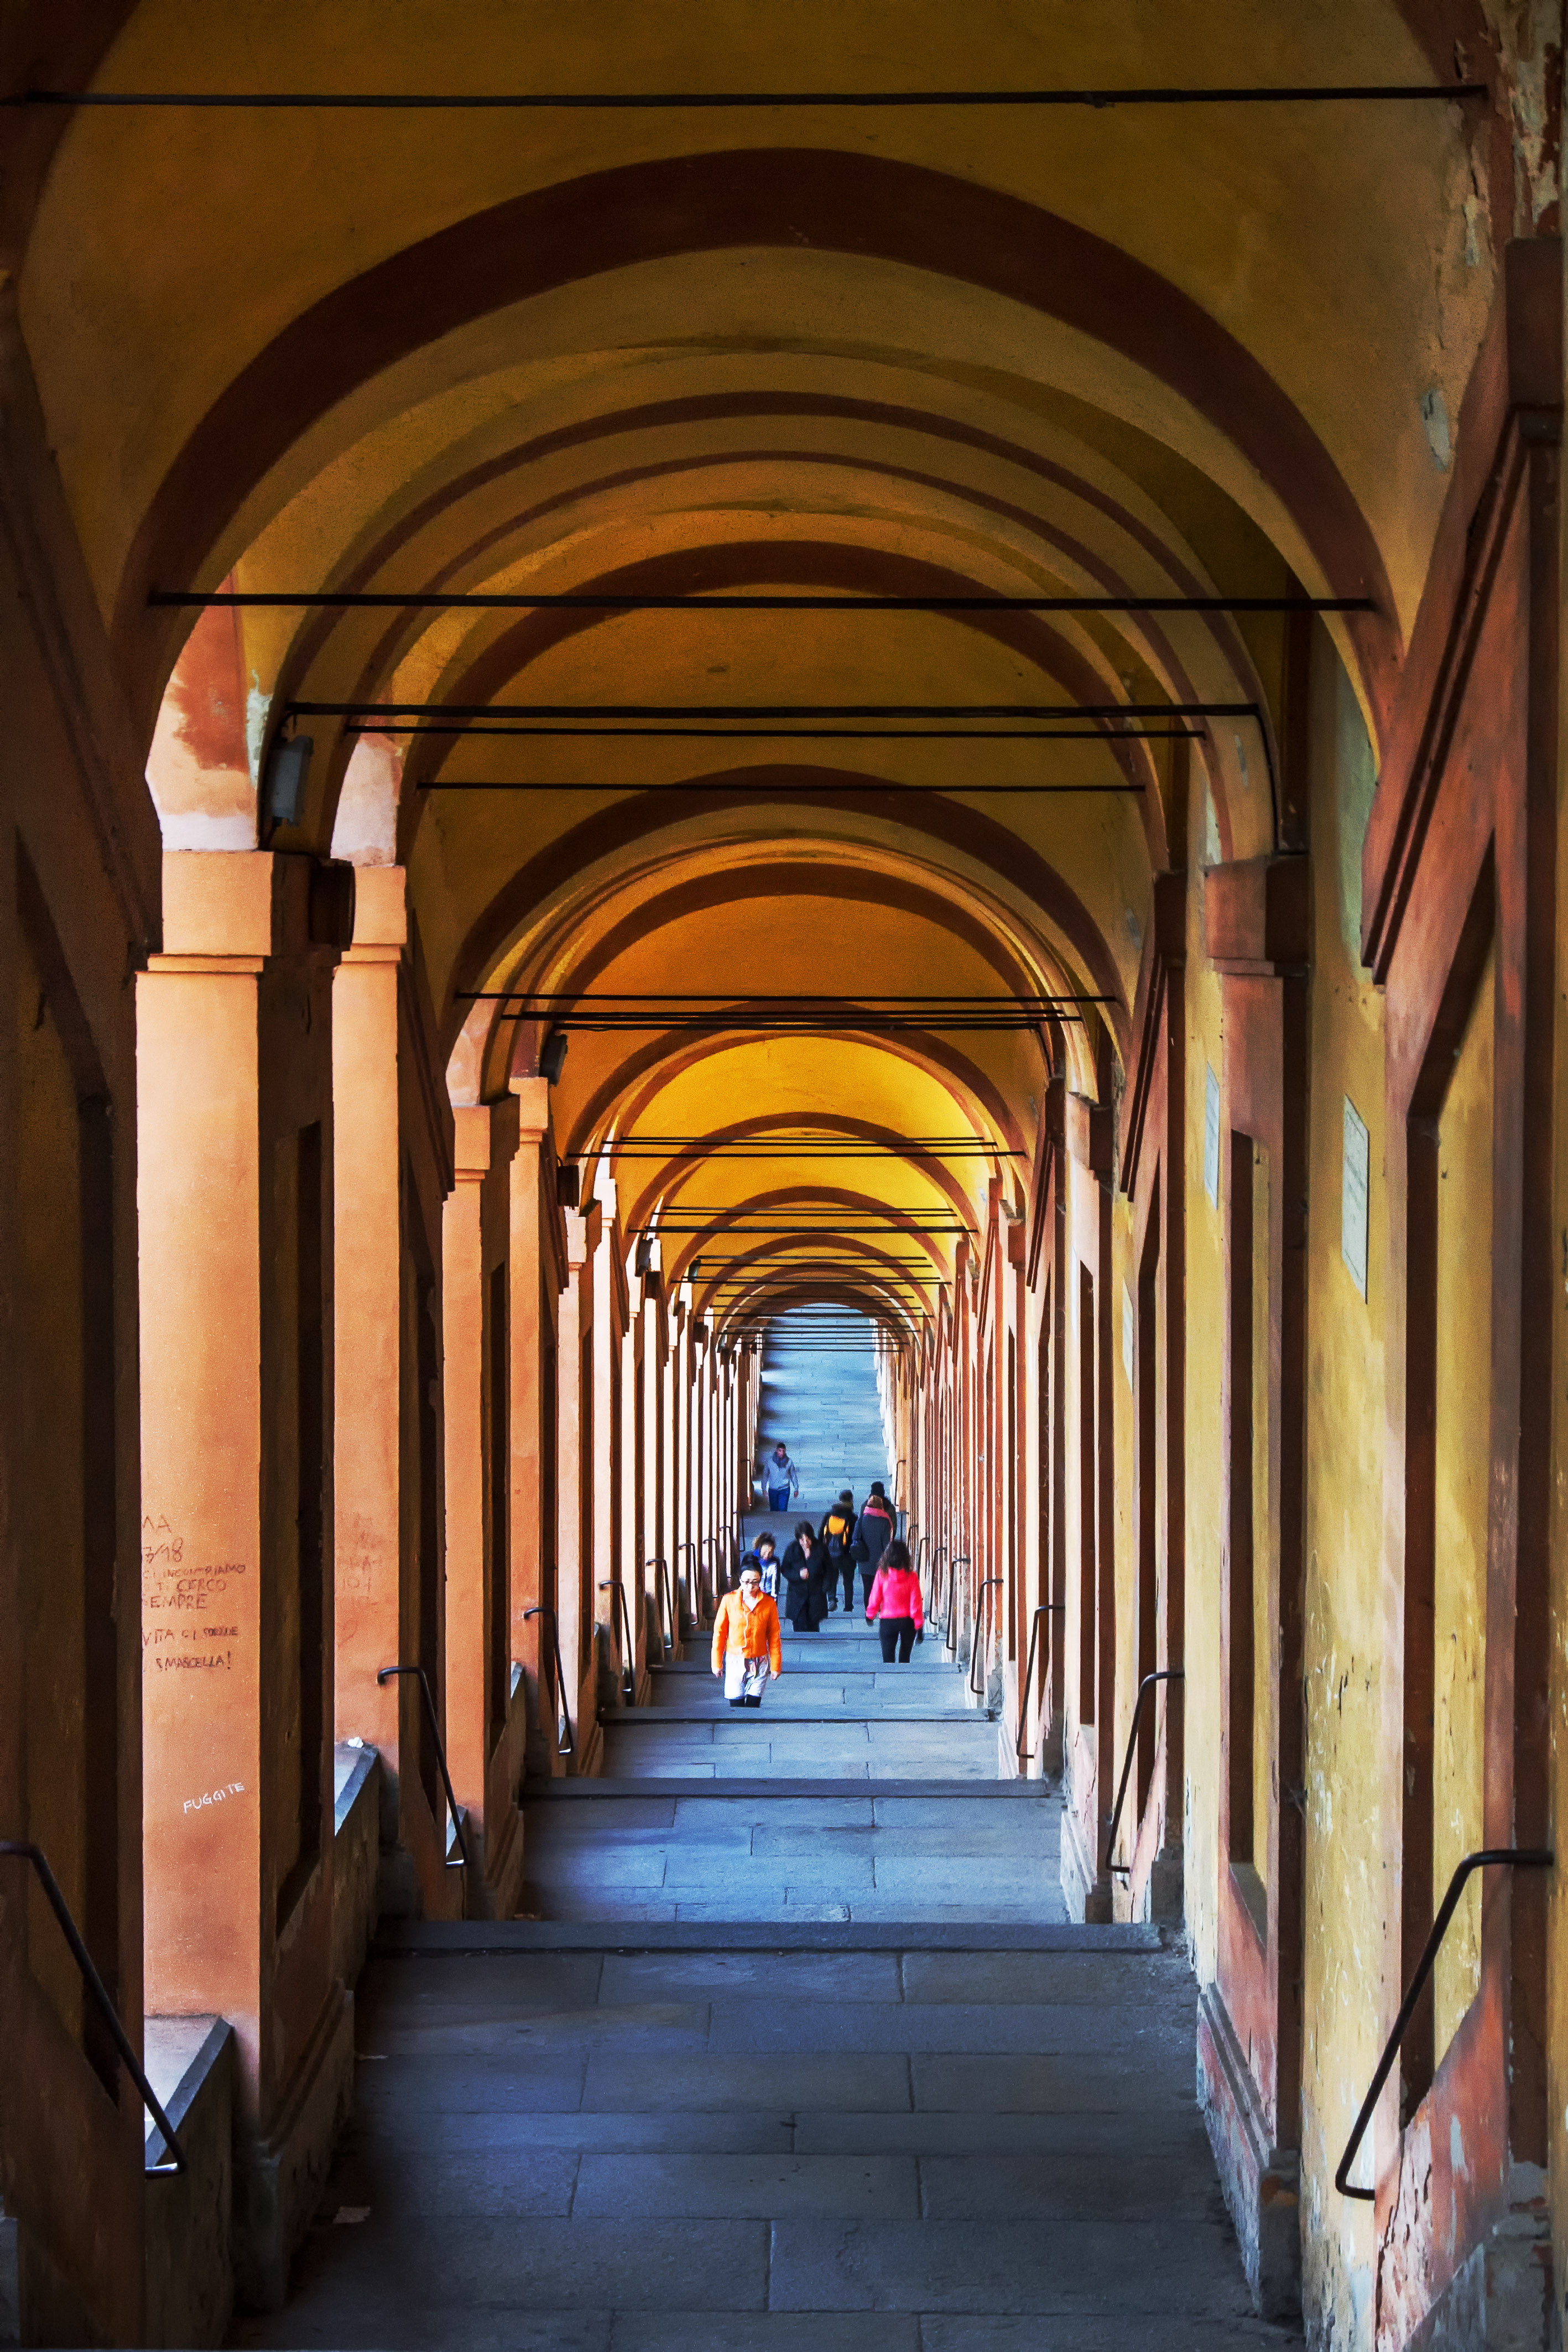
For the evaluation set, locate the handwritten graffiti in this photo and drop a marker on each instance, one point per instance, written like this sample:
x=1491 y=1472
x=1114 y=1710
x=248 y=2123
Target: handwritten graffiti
x=214 y=1796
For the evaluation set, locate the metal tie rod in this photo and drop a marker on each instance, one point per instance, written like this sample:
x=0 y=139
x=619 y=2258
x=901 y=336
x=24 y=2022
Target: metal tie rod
x=597 y=101
x=577 y=600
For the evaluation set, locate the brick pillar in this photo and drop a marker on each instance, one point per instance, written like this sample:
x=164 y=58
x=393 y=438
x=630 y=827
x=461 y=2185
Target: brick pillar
x=392 y=1162
x=537 y=1261
x=234 y=1143
x=484 y=1729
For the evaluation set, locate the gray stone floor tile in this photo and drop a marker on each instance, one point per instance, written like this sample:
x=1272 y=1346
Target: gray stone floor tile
x=866 y=2188
x=985 y=2331
x=1152 y=1978
x=768 y=1977
x=546 y=2037
x=464 y=2085
x=587 y=1907
x=766 y=2331
x=780 y=2082
x=1167 y=2177
x=514 y=1979
x=983 y=2132
x=561 y=2265
x=953 y=2027
x=1146 y=2269
x=746 y=2133
x=486 y=2184
x=1053 y=2086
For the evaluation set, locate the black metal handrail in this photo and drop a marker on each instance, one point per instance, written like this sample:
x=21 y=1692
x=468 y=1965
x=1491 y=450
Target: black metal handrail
x=563 y=1713
x=1046 y=1608
x=685 y=1543
x=1489 y=1857
x=664 y=1605
x=979 y=1646
x=385 y=1674
x=22 y=1850
x=623 y=1624
x=712 y=1591
x=950 y=1630
x=1164 y=1675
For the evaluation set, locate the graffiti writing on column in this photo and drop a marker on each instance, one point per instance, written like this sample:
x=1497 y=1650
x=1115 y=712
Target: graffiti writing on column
x=187 y=1596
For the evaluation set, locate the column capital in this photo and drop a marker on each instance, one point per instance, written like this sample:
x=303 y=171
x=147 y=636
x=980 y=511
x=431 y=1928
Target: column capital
x=486 y=1137
x=532 y=1099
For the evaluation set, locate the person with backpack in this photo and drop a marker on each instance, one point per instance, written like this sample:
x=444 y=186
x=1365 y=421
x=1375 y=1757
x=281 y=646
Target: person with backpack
x=747 y=1647
x=874 y=1534
x=838 y=1539
x=895 y=1606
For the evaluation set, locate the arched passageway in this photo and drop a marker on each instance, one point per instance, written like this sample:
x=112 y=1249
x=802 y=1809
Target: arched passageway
x=717 y=714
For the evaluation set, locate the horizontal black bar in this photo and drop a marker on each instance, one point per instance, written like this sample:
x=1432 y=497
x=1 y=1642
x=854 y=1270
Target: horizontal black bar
x=567 y=1001
x=769 y=1026
x=414 y=730
x=573 y=600
x=598 y=711
x=753 y=790
x=812 y=791
x=599 y=102
x=1040 y=710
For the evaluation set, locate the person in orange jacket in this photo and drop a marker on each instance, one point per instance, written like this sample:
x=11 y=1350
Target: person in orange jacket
x=746 y=1644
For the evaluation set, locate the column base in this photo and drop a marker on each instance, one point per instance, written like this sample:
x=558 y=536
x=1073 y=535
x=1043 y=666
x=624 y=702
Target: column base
x=1502 y=2296
x=496 y=1894
x=1088 y=1897
x=278 y=2177
x=1261 y=2183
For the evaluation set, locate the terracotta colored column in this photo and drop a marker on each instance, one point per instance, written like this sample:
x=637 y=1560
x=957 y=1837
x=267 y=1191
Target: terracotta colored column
x=483 y=1747
x=392 y=1163
x=235 y=1141
x=612 y=1564
x=576 y=1600
x=538 y=1271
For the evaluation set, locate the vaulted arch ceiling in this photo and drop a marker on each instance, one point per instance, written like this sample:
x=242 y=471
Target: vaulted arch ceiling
x=686 y=353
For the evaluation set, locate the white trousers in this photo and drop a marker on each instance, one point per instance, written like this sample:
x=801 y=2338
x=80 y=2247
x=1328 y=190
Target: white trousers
x=745 y=1677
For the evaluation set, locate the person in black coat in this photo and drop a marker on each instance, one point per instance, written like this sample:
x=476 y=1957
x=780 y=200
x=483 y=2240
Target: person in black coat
x=805 y=1573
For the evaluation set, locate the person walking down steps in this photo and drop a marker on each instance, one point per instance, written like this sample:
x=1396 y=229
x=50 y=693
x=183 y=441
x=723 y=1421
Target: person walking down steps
x=874 y=1534
x=805 y=1573
x=838 y=1540
x=894 y=1605
x=747 y=1647
x=781 y=1477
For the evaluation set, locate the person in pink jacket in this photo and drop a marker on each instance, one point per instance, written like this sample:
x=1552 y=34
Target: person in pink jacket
x=895 y=1606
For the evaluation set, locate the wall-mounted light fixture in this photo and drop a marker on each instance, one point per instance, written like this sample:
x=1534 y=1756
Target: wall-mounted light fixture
x=552 y=1056
x=288 y=765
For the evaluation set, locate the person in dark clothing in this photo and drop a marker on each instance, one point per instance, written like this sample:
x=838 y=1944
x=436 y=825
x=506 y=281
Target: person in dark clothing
x=838 y=1541
x=873 y=1533
x=805 y=1571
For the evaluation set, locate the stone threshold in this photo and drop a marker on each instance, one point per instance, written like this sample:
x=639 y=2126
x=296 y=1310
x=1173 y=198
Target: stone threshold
x=445 y=1939
x=776 y=1785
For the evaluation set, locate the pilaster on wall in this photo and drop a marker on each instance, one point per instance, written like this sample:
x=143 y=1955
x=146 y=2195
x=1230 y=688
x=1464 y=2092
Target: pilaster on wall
x=537 y=1264
x=79 y=878
x=235 y=1136
x=577 y=1601
x=1258 y=921
x=1089 y=1760
x=485 y=1720
x=394 y=1168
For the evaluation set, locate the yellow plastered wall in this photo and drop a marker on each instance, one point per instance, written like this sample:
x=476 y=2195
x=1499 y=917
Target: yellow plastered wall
x=1201 y=1693
x=1463 y=1468
x=1351 y=1855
